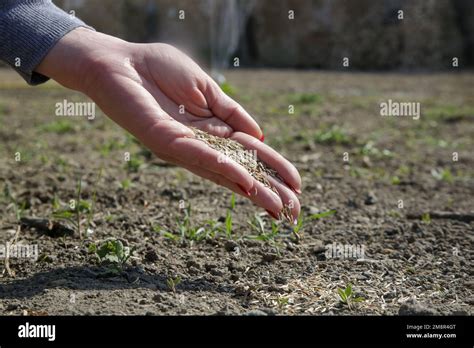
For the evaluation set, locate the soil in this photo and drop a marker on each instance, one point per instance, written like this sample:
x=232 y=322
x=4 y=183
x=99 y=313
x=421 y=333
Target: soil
x=400 y=198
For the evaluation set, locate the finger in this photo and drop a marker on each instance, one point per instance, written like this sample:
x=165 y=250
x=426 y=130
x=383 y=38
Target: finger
x=198 y=154
x=197 y=103
x=273 y=159
x=287 y=196
x=230 y=111
x=262 y=196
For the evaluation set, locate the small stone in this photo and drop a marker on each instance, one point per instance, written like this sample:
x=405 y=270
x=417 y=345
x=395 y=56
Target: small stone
x=193 y=264
x=230 y=245
x=318 y=247
x=216 y=272
x=391 y=231
x=256 y=313
x=415 y=308
x=151 y=256
x=159 y=298
x=210 y=266
x=370 y=199
x=415 y=227
x=269 y=257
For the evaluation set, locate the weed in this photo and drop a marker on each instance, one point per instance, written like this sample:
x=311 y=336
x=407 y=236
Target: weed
x=125 y=184
x=346 y=296
x=258 y=225
x=449 y=112
x=113 y=254
x=228 y=218
x=426 y=218
x=301 y=220
x=282 y=301
x=442 y=175
x=134 y=164
x=228 y=224
x=369 y=149
x=59 y=127
x=333 y=135
x=187 y=231
x=304 y=98
x=76 y=210
x=173 y=283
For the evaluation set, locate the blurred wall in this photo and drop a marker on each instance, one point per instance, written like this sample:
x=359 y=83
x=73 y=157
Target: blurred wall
x=259 y=32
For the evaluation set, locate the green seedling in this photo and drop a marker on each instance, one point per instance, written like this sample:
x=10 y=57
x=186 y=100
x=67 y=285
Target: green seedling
x=228 y=218
x=301 y=221
x=333 y=135
x=188 y=231
x=77 y=209
x=258 y=225
x=134 y=164
x=304 y=98
x=173 y=283
x=125 y=184
x=369 y=149
x=282 y=301
x=426 y=218
x=442 y=175
x=228 y=224
x=113 y=254
x=346 y=296
x=59 y=127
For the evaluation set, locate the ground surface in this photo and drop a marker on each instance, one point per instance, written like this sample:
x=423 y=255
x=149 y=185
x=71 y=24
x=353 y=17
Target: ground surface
x=414 y=261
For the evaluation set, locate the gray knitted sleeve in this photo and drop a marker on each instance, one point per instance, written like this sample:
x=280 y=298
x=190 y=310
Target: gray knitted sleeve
x=28 y=30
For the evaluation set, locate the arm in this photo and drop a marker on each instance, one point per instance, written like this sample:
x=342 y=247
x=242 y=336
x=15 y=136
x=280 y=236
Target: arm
x=141 y=86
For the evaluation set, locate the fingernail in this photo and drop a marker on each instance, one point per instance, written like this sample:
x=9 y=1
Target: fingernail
x=243 y=189
x=293 y=189
x=295 y=222
x=262 y=138
x=272 y=215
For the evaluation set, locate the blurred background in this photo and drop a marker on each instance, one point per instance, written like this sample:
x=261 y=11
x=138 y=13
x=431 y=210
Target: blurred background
x=370 y=33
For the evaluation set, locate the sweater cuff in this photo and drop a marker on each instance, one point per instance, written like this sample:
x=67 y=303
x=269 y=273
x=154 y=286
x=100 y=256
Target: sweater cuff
x=29 y=29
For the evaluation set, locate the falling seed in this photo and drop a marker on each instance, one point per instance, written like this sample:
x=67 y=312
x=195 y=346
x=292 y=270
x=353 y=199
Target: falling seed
x=259 y=170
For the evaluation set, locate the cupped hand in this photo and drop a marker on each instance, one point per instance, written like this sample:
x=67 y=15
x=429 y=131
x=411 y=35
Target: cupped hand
x=156 y=92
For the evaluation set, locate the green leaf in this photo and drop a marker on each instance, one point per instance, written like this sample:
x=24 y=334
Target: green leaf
x=119 y=249
x=228 y=223
x=170 y=235
x=63 y=214
x=299 y=224
x=232 y=201
x=322 y=215
x=348 y=290
x=342 y=295
x=92 y=248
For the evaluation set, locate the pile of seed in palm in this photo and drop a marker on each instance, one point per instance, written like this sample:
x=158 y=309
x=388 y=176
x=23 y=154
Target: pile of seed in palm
x=258 y=169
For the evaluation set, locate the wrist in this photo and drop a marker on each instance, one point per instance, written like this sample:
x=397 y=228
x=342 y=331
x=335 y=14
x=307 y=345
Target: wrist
x=78 y=57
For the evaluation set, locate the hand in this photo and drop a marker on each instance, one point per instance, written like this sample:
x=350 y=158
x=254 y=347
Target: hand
x=146 y=87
